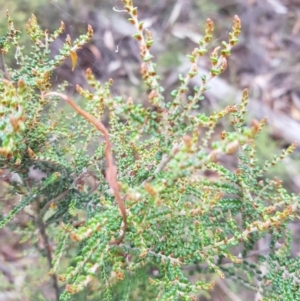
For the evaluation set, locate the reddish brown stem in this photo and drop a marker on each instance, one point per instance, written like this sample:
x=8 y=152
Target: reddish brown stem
x=111 y=169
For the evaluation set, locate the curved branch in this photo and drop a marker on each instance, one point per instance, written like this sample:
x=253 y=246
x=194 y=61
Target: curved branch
x=111 y=169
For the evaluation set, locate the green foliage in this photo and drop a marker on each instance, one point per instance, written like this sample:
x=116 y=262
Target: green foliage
x=183 y=208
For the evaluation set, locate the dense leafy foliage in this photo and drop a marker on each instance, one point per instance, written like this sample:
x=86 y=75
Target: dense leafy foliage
x=142 y=194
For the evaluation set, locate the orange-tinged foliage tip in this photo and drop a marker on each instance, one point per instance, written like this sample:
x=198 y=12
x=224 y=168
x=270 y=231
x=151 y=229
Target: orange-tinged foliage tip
x=21 y=83
x=292 y=147
x=53 y=206
x=143 y=69
x=120 y=275
x=61 y=278
x=14 y=122
x=223 y=135
x=79 y=89
x=148 y=34
x=30 y=152
x=209 y=30
x=143 y=49
x=88 y=233
x=255 y=126
x=232 y=109
x=90 y=31
x=68 y=40
x=194 y=68
x=159 y=202
x=51 y=272
x=215 y=52
x=238 y=172
x=18 y=162
x=150 y=189
x=72 y=289
x=152 y=94
x=277 y=183
x=245 y=94
x=187 y=141
x=270 y=209
x=224 y=64
x=212 y=285
x=195 y=52
x=237 y=24
x=75 y=237
x=143 y=254
x=88 y=72
x=263 y=121
x=210 y=25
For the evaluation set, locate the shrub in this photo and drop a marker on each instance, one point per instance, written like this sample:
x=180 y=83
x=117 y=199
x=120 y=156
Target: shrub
x=148 y=202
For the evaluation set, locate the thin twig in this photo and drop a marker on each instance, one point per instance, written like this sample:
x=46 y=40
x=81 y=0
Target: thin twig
x=42 y=227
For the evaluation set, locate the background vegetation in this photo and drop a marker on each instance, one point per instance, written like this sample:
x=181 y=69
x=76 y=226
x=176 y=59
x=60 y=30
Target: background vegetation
x=265 y=61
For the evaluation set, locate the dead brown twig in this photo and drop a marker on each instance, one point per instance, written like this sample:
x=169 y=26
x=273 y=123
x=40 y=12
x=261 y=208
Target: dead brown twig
x=111 y=169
